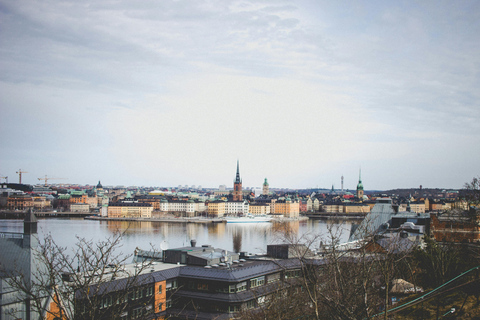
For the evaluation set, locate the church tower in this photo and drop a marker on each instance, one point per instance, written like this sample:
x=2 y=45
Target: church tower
x=237 y=186
x=265 y=188
x=360 y=187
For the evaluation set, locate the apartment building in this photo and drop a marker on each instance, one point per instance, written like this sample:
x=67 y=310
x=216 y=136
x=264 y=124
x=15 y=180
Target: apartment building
x=195 y=283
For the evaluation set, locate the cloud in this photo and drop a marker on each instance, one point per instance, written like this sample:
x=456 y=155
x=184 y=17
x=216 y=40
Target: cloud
x=174 y=92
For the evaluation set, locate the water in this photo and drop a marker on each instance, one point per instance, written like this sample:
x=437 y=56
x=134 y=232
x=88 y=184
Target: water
x=252 y=238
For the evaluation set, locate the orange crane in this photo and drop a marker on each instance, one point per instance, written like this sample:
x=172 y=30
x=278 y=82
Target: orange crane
x=20 y=175
x=46 y=179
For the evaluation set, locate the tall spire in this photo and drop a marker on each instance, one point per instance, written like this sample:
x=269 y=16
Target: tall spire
x=237 y=186
x=237 y=177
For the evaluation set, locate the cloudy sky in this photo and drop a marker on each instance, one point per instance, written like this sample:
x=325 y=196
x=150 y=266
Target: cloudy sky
x=162 y=93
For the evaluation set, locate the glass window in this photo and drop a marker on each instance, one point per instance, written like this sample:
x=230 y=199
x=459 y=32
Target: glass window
x=149 y=291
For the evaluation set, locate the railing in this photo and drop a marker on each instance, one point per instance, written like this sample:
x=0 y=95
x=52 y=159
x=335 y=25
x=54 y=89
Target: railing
x=11 y=235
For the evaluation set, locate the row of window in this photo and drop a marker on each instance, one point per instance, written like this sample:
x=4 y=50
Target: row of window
x=242 y=286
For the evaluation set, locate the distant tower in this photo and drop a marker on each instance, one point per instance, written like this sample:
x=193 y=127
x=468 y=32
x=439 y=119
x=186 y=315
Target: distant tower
x=342 y=183
x=237 y=186
x=265 y=188
x=100 y=191
x=360 y=186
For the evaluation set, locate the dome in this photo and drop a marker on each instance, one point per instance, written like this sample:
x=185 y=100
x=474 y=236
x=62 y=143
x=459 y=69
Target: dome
x=360 y=185
x=99 y=185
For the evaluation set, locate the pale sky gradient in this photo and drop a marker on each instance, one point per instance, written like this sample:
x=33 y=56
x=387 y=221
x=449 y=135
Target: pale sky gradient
x=162 y=93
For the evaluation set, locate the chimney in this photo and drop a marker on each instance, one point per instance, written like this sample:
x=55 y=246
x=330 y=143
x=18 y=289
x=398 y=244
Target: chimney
x=193 y=243
x=30 y=223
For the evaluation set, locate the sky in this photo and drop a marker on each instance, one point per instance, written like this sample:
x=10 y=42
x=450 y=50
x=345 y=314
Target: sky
x=167 y=93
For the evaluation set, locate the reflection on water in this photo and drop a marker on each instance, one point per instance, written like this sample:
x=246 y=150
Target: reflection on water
x=233 y=237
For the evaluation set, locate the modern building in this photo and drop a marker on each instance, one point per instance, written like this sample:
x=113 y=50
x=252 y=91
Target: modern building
x=199 y=283
x=19 y=263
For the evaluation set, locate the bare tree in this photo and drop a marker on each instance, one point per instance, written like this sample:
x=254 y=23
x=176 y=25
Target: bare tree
x=80 y=282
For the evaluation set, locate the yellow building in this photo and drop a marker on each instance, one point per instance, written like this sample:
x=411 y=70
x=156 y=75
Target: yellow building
x=259 y=208
x=130 y=210
x=216 y=209
x=351 y=208
x=40 y=202
x=19 y=202
x=286 y=207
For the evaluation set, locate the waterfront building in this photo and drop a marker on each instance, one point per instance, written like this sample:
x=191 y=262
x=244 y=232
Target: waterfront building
x=41 y=202
x=356 y=208
x=129 y=208
x=236 y=208
x=259 y=209
x=216 y=208
x=19 y=202
x=287 y=208
x=237 y=186
x=80 y=207
x=63 y=201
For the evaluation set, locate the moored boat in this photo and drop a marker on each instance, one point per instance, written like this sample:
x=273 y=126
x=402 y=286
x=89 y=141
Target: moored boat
x=248 y=219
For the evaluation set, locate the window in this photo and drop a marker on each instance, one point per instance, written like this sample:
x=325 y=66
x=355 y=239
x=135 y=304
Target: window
x=149 y=292
x=292 y=274
x=231 y=288
x=256 y=282
x=250 y=304
x=273 y=277
x=160 y=306
x=137 y=313
x=160 y=289
x=137 y=294
x=106 y=302
x=202 y=286
x=168 y=304
x=172 y=285
x=234 y=308
x=242 y=286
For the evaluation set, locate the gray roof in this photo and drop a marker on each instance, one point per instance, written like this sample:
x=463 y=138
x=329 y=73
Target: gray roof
x=381 y=213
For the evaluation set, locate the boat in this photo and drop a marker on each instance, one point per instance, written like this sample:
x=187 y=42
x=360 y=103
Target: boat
x=249 y=219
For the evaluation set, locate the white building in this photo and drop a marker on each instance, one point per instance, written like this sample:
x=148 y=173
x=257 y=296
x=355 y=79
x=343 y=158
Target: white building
x=236 y=207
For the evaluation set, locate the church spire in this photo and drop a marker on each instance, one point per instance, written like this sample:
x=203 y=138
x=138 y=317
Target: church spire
x=237 y=177
x=237 y=186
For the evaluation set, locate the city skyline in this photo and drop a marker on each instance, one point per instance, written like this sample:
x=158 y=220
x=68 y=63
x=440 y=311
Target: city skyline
x=301 y=92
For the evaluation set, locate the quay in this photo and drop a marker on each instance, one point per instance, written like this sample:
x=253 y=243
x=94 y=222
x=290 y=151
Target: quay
x=333 y=216
x=170 y=220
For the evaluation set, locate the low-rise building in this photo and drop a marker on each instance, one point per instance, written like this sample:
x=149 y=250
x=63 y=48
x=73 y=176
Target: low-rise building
x=456 y=226
x=195 y=283
x=236 y=208
x=216 y=209
x=19 y=202
x=259 y=209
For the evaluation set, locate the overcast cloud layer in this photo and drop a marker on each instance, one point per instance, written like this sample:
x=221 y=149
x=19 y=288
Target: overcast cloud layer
x=162 y=93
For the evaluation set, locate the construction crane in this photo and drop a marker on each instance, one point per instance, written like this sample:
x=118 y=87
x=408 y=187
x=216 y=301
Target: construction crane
x=6 y=179
x=47 y=178
x=20 y=175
